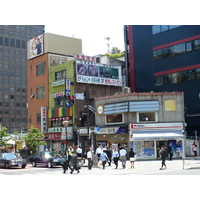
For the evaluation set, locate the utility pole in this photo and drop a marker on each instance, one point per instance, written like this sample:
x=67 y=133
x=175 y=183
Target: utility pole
x=87 y=103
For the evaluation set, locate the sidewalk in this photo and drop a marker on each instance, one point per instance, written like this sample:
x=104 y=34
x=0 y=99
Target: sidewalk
x=154 y=165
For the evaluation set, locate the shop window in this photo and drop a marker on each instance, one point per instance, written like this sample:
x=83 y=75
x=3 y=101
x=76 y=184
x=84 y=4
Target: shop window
x=115 y=119
x=146 y=117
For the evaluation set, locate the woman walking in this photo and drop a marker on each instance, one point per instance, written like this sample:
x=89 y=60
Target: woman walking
x=132 y=157
x=163 y=155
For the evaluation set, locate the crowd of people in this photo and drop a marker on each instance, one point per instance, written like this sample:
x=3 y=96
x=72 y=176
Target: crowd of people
x=105 y=155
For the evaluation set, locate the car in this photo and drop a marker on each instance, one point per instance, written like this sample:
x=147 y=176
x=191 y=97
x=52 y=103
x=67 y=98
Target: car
x=8 y=160
x=48 y=158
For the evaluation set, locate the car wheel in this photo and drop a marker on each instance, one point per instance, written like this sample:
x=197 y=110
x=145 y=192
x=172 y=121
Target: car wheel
x=34 y=164
x=49 y=165
x=23 y=166
x=7 y=166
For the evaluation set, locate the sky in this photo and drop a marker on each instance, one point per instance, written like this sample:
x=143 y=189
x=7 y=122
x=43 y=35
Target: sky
x=93 y=38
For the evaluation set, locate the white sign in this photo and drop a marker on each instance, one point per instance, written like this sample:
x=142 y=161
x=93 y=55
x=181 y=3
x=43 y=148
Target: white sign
x=79 y=96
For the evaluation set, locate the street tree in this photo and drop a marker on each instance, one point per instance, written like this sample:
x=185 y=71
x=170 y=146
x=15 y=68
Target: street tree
x=4 y=137
x=34 y=138
x=115 y=53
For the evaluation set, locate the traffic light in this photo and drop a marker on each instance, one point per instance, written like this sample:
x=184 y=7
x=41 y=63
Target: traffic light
x=71 y=97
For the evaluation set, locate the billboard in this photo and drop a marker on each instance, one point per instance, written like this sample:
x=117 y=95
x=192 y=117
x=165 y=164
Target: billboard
x=36 y=46
x=98 y=74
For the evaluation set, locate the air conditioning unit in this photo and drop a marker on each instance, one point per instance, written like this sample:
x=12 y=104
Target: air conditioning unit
x=126 y=90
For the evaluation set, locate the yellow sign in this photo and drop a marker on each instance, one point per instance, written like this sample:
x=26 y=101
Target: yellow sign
x=170 y=105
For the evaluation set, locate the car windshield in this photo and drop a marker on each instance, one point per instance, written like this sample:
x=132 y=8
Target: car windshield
x=10 y=156
x=51 y=154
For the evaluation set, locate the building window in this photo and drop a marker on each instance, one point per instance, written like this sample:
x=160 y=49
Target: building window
x=156 y=29
x=18 y=43
x=40 y=69
x=23 y=44
x=197 y=44
x=38 y=115
x=115 y=119
x=40 y=92
x=60 y=75
x=146 y=117
x=177 y=49
x=12 y=42
x=1 y=40
x=6 y=41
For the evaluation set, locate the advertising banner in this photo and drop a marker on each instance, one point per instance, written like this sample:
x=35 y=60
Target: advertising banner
x=43 y=119
x=98 y=74
x=36 y=46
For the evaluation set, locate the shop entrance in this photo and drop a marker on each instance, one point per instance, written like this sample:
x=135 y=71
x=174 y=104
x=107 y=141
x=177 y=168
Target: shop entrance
x=159 y=144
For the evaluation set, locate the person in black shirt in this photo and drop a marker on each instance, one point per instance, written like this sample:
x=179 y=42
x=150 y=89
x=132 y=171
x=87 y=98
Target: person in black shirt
x=132 y=157
x=163 y=155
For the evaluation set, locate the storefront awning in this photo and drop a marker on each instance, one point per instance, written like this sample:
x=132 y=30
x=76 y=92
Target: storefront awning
x=59 y=112
x=157 y=135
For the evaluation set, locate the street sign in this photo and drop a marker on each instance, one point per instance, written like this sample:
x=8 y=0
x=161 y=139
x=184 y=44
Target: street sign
x=79 y=96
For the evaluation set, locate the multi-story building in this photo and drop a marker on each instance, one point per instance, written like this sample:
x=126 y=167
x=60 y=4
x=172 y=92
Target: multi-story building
x=13 y=74
x=166 y=58
x=142 y=121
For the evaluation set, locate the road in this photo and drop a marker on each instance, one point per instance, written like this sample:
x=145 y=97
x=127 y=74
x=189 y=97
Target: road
x=174 y=167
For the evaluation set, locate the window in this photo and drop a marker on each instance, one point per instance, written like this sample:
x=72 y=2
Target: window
x=157 y=54
x=40 y=69
x=189 y=46
x=166 y=52
x=60 y=75
x=1 y=40
x=38 y=118
x=158 y=80
x=197 y=44
x=146 y=117
x=156 y=29
x=40 y=92
x=23 y=44
x=12 y=96
x=198 y=73
x=177 y=49
x=12 y=42
x=164 y=27
x=6 y=41
x=173 y=26
x=18 y=43
x=115 y=119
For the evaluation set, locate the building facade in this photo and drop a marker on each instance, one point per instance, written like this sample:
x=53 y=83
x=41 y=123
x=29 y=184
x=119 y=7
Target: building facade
x=166 y=58
x=13 y=74
x=142 y=121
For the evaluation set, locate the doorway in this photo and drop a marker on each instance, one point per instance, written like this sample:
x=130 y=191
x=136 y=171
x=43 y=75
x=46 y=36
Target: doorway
x=160 y=144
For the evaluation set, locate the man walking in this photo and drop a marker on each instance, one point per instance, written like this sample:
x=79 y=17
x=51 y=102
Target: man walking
x=89 y=158
x=67 y=160
x=74 y=161
x=104 y=158
x=79 y=152
x=122 y=153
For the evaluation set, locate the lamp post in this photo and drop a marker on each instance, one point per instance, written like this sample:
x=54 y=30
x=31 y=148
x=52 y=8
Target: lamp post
x=66 y=124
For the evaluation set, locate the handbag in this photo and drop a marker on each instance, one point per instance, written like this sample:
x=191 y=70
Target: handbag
x=132 y=159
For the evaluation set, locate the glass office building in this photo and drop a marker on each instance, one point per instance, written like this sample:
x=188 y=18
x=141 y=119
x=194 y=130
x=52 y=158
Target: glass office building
x=13 y=74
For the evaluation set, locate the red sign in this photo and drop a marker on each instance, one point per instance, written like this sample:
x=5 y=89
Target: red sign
x=83 y=57
x=54 y=136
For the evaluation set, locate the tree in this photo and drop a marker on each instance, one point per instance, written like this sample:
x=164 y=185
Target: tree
x=115 y=53
x=33 y=139
x=4 y=137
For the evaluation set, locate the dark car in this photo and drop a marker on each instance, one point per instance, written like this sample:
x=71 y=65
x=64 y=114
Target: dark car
x=9 y=160
x=48 y=158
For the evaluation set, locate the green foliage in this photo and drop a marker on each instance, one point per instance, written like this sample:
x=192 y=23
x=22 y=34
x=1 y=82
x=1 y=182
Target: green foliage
x=115 y=53
x=33 y=139
x=4 y=137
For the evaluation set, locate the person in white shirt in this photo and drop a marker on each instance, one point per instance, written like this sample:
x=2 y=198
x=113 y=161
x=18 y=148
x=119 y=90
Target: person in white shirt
x=89 y=158
x=79 y=152
x=98 y=152
x=122 y=153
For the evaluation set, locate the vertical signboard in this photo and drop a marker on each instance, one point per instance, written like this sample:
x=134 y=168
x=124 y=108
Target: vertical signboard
x=43 y=119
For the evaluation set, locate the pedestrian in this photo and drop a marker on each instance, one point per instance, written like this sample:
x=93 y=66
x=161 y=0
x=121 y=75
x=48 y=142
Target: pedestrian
x=115 y=157
x=98 y=152
x=122 y=154
x=104 y=158
x=85 y=153
x=89 y=158
x=178 y=149
x=79 y=152
x=163 y=155
x=194 y=149
x=170 y=151
x=67 y=161
x=109 y=154
x=70 y=151
x=132 y=157
x=75 y=165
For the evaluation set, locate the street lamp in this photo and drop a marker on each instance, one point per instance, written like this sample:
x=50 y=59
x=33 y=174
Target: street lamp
x=66 y=124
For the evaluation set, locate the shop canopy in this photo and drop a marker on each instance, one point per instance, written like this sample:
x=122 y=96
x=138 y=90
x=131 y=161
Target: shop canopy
x=157 y=135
